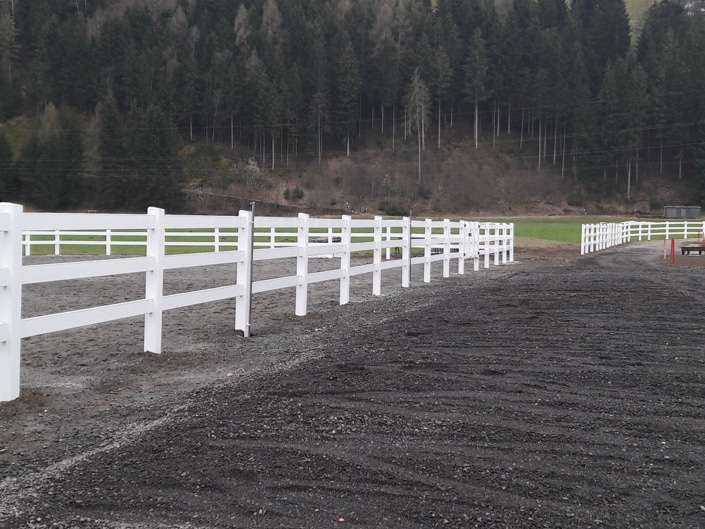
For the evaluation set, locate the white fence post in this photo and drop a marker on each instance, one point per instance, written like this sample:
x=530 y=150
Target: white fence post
x=302 y=266
x=245 y=245
x=388 y=251
x=154 y=282
x=497 y=242
x=107 y=242
x=475 y=236
x=446 y=247
x=503 y=233
x=428 y=235
x=345 y=239
x=57 y=243
x=510 y=241
x=406 y=253
x=462 y=246
x=377 y=258
x=10 y=300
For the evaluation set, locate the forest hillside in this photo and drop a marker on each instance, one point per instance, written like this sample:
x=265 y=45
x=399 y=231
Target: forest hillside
x=391 y=106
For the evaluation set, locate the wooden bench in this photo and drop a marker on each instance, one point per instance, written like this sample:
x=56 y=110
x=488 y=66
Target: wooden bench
x=693 y=248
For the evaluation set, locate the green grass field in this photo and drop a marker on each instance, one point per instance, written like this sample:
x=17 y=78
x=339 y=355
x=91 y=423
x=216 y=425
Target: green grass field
x=561 y=229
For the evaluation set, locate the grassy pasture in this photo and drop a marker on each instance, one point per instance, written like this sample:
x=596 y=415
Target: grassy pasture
x=561 y=229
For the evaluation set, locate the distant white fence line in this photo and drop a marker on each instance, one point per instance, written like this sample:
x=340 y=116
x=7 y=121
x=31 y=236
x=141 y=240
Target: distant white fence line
x=241 y=241
x=596 y=237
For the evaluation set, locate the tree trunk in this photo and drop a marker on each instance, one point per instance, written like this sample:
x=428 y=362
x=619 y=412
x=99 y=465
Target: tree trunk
x=539 y=167
x=629 y=179
x=636 y=162
x=509 y=119
x=660 y=161
x=418 y=136
x=476 y=122
x=555 y=141
x=423 y=129
x=439 y=123
x=616 y=173
x=394 y=125
x=521 y=129
x=545 y=140
x=320 y=140
x=563 y=155
x=406 y=124
x=495 y=125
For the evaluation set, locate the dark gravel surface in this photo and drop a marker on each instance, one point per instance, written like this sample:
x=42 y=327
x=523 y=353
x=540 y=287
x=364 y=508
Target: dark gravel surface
x=559 y=392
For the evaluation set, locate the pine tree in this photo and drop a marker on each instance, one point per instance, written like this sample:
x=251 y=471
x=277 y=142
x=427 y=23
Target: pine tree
x=348 y=91
x=114 y=164
x=418 y=103
x=6 y=168
x=699 y=162
x=56 y=180
x=476 y=77
x=9 y=47
x=158 y=174
x=609 y=110
x=604 y=32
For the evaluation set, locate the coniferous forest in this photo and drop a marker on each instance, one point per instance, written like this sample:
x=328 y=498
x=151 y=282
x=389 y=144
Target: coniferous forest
x=106 y=98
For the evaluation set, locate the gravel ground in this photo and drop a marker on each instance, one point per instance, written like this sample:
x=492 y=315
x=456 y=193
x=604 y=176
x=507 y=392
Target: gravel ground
x=559 y=391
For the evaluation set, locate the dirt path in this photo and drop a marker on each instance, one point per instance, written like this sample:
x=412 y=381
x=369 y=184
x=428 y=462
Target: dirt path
x=559 y=392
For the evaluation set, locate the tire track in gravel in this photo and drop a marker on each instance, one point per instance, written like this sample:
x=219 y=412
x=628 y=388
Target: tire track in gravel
x=549 y=399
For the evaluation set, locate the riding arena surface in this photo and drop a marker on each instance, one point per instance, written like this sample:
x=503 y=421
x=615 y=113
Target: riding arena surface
x=559 y=391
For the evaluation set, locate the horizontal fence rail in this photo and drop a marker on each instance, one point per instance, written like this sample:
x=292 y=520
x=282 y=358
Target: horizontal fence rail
x=153 y=243
x=603 y=235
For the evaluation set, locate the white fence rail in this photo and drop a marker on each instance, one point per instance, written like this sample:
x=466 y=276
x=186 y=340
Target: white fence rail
x=596 y=237
x=240 y=241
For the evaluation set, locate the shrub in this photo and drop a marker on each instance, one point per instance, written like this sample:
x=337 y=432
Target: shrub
x=393 y=209
x=294 y=195
x=424 y=192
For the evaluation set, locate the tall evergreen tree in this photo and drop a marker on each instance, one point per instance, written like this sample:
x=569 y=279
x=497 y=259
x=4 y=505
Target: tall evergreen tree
x=418 y=103
x=114 y=190
x=55 y=177
x=6 y=168
x=8 y=46
x=157 y=171
x=604 y=32
x=699 y=162
x=348 y=91
x=476 y=77
x=609 y=113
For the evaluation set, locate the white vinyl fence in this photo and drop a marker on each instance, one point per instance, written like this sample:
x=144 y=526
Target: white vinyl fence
x=240 y=241
x=596 y=237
